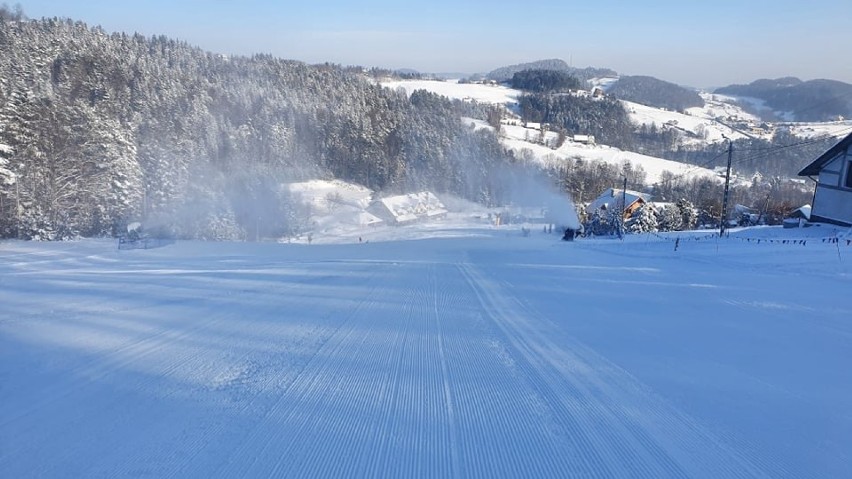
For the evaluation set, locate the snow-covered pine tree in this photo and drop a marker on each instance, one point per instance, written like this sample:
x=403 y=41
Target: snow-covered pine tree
x=643 y=220
x=669 y=218
x=688 y=214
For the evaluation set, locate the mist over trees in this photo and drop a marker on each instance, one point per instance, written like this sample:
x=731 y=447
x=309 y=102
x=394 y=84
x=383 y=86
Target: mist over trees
x=13 y=13
x=99 y=129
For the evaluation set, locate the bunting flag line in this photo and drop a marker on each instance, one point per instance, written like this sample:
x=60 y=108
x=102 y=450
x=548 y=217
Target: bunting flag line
x=801 y=242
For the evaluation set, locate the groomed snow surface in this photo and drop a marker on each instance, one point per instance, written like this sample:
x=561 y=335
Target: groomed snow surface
x=472 y=351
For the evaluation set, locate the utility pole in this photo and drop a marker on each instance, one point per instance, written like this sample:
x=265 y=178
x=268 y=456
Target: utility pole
x=623 y=207
x=17 y=208
x=724 y=217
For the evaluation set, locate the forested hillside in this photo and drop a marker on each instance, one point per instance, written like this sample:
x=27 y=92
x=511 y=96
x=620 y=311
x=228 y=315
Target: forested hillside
x=545 y=81
x=99 y=129
x=504 y=74
x=654 y=92
x=606 y=118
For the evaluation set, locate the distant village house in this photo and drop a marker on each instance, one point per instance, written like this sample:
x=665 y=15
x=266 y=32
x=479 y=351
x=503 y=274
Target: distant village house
x=584 y=139
x=407 y=209
x=612 y=199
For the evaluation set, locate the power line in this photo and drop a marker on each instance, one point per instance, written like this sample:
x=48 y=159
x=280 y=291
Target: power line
x=763 y=153
x=814 y=139
x=773 y=149
x=770 y=151
x=693 y=166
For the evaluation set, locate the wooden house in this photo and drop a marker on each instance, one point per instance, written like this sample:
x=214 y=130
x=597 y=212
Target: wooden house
x=612 y=198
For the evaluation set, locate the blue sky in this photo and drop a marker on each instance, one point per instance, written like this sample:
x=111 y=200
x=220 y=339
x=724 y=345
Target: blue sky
x=689 y=42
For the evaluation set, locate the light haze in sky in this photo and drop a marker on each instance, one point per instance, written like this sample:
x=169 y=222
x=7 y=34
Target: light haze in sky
x=700 y=44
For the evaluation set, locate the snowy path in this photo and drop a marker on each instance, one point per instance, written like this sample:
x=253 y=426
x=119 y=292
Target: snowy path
x=486 y=357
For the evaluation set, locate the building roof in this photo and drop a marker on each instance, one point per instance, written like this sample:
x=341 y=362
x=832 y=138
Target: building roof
x=814 y=168
x=363 y=218
x=413 y=206
x=611 y=197
x=801 y=212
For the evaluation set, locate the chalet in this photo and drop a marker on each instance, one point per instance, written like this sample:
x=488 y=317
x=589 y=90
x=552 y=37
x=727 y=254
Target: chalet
x=407 y=209
x=612 y=198
x=832 y=172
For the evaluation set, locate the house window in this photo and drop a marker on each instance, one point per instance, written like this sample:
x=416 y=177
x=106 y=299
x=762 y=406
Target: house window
x=848 y=182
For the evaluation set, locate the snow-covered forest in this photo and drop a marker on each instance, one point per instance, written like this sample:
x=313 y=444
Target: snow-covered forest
x=99 y=129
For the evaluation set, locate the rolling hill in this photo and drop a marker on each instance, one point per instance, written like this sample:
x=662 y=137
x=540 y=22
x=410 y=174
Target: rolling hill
x=794 y=100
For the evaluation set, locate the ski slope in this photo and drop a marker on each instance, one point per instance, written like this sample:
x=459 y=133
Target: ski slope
x=470 y=351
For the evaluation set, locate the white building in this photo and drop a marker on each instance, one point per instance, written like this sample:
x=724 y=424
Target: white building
x=584 y=139
x=833 y=193
x=405 y=209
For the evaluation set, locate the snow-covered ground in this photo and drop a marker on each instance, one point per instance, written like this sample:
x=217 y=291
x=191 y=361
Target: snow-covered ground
x=493 y=94
x=451 y=349
x=699 y=125
x=519 y=139
x=810 y=130
x=722 y=116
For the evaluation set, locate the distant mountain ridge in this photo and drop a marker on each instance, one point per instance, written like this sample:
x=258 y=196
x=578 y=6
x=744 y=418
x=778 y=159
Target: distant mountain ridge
x=794 y=99
x=583 y=74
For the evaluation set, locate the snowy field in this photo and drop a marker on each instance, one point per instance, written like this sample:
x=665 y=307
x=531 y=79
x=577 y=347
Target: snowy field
x=494 y=94
x=520 y=139
x=699 y=125
x=471 y=351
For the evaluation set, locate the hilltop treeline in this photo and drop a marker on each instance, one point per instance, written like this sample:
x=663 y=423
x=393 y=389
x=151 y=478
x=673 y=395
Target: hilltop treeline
x=100 y=129
x=654 y=92
x=504 y=74
x=545 y=81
